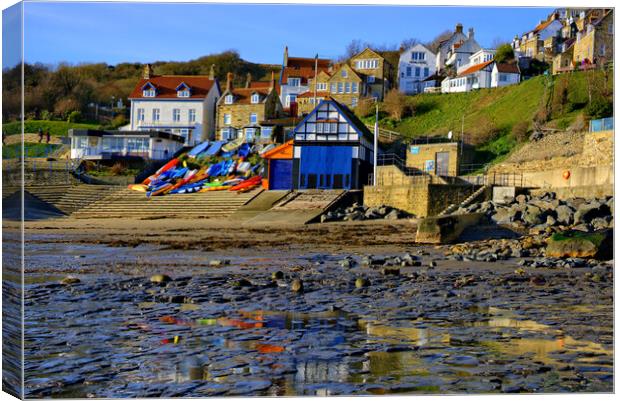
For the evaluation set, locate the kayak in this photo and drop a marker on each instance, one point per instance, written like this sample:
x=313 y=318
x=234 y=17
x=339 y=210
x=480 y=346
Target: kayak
x=213 y=150
x=219 y=188
x=159 y=190
x=137 y=187
x=198 y=149
x=233 y=145
x=251 y=181
x=244 y=150
x=172 y=163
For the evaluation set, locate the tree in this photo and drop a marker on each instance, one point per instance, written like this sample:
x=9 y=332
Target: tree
x=504 y=53
x=497 y=42
x=433 y=45
x=408 y=43
x=354 y=47
x=395 y=104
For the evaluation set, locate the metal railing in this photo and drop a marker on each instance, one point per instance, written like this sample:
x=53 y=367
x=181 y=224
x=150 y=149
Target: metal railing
x=602 y=124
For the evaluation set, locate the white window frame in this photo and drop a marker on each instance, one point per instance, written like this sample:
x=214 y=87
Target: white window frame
x=343 y=73
x=354 y=87
x=191 y=115
x=294 y=81
x=347 y=87
x=140 y=114
x=176 y=115
x=183 y=93
x=253 y=118
x=255 y=98
x=354 y=102
x=340 y=87
x=148 y=93
x=228 y=99
x=156 y=114
x=227 y=119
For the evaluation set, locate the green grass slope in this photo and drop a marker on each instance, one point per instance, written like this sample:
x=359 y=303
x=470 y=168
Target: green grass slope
x=57 y=128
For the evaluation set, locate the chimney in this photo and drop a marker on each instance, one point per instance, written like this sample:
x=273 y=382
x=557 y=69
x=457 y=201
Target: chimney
x=248 y=79
x=285 y=63
x=470 y=33
x=272 y=85
x=459 y=28
x=148 y=72
x=229 y=81
x=212 y=72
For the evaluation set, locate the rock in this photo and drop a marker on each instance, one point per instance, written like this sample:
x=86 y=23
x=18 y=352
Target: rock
x=564 y=214
x=391 y=271
x=532 y=215
x=393 y=215
x=160 y=278
x=503 y=215
x=277 y=275
x=70 y=280
x=242 y=282
x=432 y=263
x=522 y=198
x=551 y=221
x=346 y=262
x=588 y=211
x=578 y=244
x=600 y=223
x=297 y=285
x=538 y=280
x=362 y=282
x=218 y=262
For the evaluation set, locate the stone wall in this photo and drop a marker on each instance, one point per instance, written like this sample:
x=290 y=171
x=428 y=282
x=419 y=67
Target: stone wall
x=442 y=196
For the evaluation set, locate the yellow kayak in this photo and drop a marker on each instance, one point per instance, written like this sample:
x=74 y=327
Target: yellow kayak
x=137 y=187
x=219 y=188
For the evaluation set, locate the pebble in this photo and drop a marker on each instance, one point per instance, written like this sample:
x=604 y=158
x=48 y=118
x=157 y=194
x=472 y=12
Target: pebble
x=160 y=278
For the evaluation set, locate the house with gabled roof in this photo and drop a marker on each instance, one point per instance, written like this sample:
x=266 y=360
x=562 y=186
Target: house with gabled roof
x=532 y=43
x=374 y=70
x=415 y=65
x=240 y=111
x=488 y=74
x=183 y=105
x=594 y=45
x=332 y=149
x=296 y=74
x=446 y=45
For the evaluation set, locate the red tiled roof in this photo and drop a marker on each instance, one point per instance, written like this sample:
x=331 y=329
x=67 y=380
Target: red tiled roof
x=244 y=95
x=306 y=62
x=304 y=73
x=510 y=68
x=542 y=26
x=475 y=68
x=322 y=94
x=166 y=86
x=264 y=85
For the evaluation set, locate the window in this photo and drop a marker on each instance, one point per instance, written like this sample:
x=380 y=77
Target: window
x=294 y=81
x=148 y=93
x=340 y=87
x=347 y=87
x=354 y=87
x=408 y=71
x=332 y=88
x=366 y=64
x=343 y=73
x=255 y=98
x=249 y=134
x=426 y=71
x=371 y=79
x=155 y=114
x=503 y=77
x=265 y=132
x=140 y=114
x=610 y=28
x=290 y=99
x=417 y=71
x=321 y=86
x=176 y=115
x=418 y=56
x=228 y=99
x=183 y=93
x=601 y=50
x=253 y=118
x=112 y=144
x=192 y=115
x=354 y=102
x=227 y=119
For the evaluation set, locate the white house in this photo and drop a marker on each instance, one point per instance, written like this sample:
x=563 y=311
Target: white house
x=415 y=65
x=446 y=45
x=480 y=56
x=505 y=74
x=460 y=52
x=105 y=145
x=179 y=104
x=484 y=75
x=295 y=74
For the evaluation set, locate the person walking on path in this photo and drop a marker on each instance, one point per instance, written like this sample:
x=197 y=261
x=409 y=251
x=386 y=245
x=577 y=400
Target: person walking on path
x=47 y=136
x=40 y=135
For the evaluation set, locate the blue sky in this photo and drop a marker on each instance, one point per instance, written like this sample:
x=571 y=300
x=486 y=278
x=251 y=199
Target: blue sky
x=139 y=32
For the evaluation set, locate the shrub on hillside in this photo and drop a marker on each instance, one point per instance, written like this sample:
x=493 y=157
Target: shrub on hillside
x=520 y=131
x=599 y=107
x=74 y=117
x=118 y=168
x=364 y=107
x=486 y=130
x=504 y=53
x=395 y=104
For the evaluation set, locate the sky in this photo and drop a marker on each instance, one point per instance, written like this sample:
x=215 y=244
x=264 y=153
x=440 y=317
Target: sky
x=147 y=32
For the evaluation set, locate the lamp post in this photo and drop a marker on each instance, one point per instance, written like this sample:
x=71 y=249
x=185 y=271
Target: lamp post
x=375 y=144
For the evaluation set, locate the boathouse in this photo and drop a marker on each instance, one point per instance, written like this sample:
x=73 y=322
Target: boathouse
x=280 y=166
x=332 y=149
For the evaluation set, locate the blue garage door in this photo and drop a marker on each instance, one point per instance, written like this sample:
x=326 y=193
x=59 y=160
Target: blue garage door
x=281 y=174
x=325 y=167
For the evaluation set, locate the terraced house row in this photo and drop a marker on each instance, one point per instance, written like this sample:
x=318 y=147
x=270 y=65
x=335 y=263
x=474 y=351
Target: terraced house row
x=191 y=109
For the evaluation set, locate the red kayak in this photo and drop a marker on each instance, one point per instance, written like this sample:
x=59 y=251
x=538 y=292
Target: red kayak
x=172 y=163
x=247 y=183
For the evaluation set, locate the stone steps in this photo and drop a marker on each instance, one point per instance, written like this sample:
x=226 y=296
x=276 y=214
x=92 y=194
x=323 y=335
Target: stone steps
x=71 y=198
x=466 y=202
x=128 y=203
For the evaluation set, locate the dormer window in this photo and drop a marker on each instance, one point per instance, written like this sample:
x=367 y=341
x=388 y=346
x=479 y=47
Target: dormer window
x=228 y=99
x=183 y=90
x=255 y=98
x=148 y=90
x=343 y=74
x=294 y=81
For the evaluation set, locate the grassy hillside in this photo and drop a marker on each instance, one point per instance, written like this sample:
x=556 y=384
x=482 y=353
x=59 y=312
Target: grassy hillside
x=57 y=128
x=497 y=120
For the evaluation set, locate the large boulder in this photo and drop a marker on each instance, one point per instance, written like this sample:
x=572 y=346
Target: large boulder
x=580 y=244
x=533 y=215
x=564 y=215
x=586 y=212
x=445 y=229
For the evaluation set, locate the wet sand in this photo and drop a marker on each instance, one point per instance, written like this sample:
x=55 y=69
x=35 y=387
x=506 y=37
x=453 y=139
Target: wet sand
x=224 y=326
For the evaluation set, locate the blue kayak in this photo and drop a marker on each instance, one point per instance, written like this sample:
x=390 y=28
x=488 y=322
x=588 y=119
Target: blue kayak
x=214 y=149
x=198 y=149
